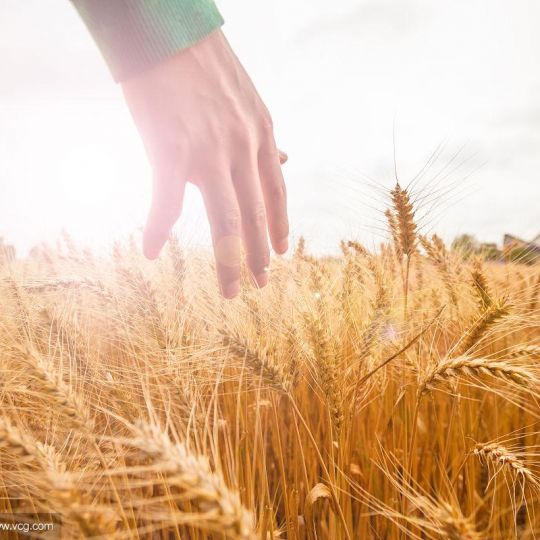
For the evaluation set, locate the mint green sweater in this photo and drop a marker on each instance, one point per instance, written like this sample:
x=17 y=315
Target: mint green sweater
x=134 y=35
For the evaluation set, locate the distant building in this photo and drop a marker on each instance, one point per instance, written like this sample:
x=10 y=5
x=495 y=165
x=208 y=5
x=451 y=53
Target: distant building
x=516 y=248
x=515 y=242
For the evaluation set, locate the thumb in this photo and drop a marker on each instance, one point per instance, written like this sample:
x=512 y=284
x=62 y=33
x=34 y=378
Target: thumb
x=167 y=199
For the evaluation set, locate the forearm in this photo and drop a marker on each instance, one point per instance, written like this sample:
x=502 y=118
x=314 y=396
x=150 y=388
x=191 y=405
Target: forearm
x=135 y=35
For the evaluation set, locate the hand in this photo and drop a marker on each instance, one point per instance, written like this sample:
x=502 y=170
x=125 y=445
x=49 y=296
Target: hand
x=202 y=120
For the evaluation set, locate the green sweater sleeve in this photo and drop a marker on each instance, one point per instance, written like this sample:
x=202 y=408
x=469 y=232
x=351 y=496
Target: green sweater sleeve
x=135 y=35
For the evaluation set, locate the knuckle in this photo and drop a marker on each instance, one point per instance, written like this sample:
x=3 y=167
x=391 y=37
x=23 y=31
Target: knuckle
x=242 y=136
x=259 y=257
x=267 y=128
x=265 y=258
x=268 y=151
x=213 y=136
x=257 y=217
x=278 y=192
x=174 y=133
x=266 y=119
x=265 y=125
x=231 y=221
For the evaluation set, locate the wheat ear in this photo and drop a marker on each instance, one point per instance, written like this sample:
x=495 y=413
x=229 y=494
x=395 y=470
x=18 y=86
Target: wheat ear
x=437 y=254
x=505 y=459
x=467 y=366
x=404 y=220
x=15 y=442
x=525 y=351
x=453 y=524
x=178 y=263
x=142 y=288
x=394 y=232
x=380 y=308
x=481 y=286
x=50 y=285
x=258 y=361
x=53 y=386
x=495 y=312
x=327 y=369
x=64 y=496
x=220 y=507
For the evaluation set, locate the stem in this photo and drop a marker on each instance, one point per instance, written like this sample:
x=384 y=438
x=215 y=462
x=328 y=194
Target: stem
x=403 y=349
x=406 y=286
x=323 y=466
x=413 y=437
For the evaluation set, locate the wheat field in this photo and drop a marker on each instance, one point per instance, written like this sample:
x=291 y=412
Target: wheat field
x=384 y=394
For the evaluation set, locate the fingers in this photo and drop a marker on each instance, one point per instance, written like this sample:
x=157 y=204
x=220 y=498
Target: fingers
x=283 y=157
x=167 y=198
x=225 y=223
x=253 y=211
x=275 y=195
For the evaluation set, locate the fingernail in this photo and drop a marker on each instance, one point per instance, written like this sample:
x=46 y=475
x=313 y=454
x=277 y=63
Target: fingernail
x=230 y=290
x=282 y=246
x=152 y=244
x=262 y=279
x=151 y=252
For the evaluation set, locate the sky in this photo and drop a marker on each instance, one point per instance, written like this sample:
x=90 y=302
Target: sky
x=358 y=90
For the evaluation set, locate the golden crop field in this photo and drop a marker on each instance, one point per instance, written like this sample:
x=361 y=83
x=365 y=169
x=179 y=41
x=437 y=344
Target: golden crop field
x=385 y=395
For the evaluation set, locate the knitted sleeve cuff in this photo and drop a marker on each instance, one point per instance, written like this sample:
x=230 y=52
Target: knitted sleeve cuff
x=135 y=35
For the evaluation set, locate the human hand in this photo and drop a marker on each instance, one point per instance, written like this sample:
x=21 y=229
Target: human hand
x=202 y=120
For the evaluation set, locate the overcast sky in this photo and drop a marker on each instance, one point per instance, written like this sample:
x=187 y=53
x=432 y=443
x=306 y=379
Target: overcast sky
x=336 y=76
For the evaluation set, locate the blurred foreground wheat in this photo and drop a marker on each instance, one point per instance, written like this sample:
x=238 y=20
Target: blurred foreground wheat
x=368 y=396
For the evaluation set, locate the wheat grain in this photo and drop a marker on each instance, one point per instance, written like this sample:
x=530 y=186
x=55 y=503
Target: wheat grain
x=15 y=442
